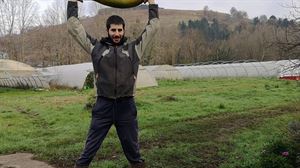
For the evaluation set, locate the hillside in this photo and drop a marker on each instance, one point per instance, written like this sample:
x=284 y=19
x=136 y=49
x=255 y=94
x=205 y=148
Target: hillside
x=138 y=17
x=46 y=46
x=168 y=17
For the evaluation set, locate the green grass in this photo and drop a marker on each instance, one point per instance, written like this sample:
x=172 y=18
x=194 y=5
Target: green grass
x=195 y=123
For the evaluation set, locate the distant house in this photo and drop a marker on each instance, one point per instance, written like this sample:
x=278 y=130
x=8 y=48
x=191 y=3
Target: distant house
x=3 y=55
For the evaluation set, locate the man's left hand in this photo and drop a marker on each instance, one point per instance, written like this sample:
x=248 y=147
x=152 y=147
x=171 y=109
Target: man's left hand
x=150 y=1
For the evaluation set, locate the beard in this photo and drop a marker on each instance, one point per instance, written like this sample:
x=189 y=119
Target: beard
x=116 y=39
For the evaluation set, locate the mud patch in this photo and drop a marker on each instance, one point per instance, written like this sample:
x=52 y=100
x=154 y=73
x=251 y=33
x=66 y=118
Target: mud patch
x=21 y=160
x=210 y=135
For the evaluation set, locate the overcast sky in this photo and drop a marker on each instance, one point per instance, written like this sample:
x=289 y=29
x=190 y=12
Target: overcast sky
x=252 y=7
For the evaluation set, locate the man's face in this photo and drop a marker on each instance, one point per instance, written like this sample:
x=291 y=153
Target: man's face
x=116 y=32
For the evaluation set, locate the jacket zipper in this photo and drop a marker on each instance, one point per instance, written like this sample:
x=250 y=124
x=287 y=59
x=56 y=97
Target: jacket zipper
x=116 y=67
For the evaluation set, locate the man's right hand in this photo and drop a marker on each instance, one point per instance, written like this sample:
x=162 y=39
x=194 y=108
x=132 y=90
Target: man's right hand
x=151 y=1
x=76 y=0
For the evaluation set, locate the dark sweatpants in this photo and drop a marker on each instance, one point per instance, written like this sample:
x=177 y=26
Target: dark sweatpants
x=120 y=112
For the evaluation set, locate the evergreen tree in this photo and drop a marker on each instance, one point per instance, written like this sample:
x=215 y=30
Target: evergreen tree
x=285 y=23
x=182 y=26
x=272 y=20
x=255 y=21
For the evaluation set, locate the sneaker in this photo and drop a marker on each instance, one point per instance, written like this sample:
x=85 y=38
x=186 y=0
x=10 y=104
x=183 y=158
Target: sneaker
x=138 y=165
x=77 y=166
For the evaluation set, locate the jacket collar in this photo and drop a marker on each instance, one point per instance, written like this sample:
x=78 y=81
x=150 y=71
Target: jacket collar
x=108 y=41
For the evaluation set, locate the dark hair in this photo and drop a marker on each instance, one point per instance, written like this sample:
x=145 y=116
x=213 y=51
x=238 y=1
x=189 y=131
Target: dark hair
x=114 y=19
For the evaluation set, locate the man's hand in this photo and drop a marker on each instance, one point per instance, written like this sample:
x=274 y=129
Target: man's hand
x=76 y=0
x=150 y=1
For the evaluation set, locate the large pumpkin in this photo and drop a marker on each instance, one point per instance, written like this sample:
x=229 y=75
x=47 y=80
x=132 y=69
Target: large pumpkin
x=120 y=3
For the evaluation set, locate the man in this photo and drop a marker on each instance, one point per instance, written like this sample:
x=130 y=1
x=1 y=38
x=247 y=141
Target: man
x=115 y=63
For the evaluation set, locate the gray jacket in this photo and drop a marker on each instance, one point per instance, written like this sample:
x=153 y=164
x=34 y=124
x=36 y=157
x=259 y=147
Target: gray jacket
x=116 y=67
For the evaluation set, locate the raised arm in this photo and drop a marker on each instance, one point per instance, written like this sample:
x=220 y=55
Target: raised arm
x=150 y=30
x=76 y=29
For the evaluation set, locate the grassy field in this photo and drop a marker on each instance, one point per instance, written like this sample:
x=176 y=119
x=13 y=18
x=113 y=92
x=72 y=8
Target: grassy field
x=188 y=124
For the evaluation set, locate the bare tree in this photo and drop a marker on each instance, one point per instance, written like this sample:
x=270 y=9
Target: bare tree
x=263 y=19
x=17 y=15
x=27 y=17
x=192 y=47
x=236 y=14
x=288 y=39
x=28 y=14
x=8 y=17
x=56 y=13
x=206 y=11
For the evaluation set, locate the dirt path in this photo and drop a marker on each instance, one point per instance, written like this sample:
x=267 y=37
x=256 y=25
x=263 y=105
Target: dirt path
x=21 y=160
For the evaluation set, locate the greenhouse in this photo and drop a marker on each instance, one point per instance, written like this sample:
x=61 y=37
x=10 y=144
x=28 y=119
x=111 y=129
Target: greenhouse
x=164 y=72
x=75 y=76
x=250 y=69
x=17 y=74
